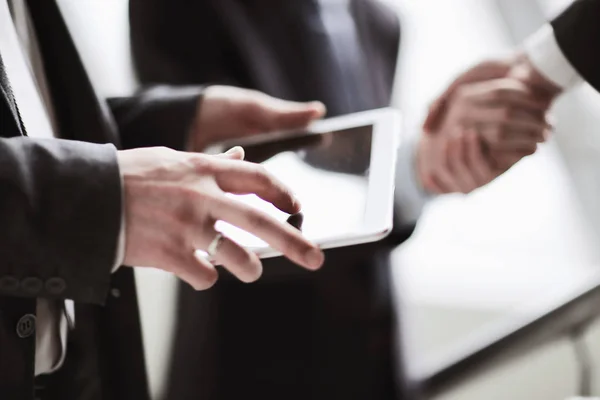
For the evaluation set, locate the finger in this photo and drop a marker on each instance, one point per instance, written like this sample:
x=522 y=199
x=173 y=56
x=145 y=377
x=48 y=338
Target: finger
x=277 y=114
x=507 y=137
x=279 y=235
x=242 y=263
x=437 y=110
x=244 y=178
x=507 y=92
x=457 y=163
x=193 y=269
x=443 y=176
x=235 y=153
x=477 y=163
x=516 y=119
x=481 y=72
x=433 y=185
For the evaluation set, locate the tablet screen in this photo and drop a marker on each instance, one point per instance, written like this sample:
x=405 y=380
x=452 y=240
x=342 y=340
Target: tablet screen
x=328 y=172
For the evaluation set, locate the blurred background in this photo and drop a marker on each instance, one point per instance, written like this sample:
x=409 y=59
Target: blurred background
x=478 y=265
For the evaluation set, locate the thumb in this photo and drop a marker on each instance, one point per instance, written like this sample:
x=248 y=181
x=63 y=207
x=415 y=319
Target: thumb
x=235 y=153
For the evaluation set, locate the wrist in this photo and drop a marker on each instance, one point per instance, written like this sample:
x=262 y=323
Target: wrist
x=527 y=72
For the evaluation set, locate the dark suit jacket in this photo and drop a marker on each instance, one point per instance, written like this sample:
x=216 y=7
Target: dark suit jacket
x=577 y=31
x=293 y=335
x=578 y=34
x=60 y=207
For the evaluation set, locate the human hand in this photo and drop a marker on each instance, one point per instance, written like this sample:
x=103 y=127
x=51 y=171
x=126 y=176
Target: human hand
x=173 y=199
x=228 y=112
x=453 y=162
x=524 y=71
x=504 y=114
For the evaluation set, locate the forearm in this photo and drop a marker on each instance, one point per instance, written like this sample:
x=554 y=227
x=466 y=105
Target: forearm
x=60 y=207
x=157 y=116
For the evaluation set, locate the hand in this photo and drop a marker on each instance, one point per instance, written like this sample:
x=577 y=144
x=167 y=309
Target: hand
x=523 y=70
x=453 y=163
x=173 y=199
x=227 y=112
x=504 y=114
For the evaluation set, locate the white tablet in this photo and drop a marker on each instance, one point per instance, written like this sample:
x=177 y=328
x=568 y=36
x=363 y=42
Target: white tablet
x=342 y=171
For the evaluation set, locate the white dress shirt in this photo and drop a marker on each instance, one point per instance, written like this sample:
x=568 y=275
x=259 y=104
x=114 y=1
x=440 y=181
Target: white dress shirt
x=545 y=54
x=24 y=67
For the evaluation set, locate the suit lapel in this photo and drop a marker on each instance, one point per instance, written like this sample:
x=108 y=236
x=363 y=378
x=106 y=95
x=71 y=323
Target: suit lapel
x=81 y=114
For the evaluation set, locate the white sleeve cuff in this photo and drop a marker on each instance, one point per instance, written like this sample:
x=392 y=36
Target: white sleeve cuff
x=121 y=240
x=545 y=54
x=410 y=195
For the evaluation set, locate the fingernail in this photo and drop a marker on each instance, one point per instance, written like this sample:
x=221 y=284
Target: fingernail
x=320 y=107
x=315 y=258
x=233 y=150
x=296 y=203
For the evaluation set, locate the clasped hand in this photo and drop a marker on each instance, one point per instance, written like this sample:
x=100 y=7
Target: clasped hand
x=487 y=120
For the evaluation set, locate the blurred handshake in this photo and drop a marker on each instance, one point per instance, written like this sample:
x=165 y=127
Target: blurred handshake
x=488 y=119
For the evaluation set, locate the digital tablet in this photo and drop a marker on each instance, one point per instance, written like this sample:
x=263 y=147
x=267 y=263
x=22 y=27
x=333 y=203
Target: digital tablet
x=342 y=171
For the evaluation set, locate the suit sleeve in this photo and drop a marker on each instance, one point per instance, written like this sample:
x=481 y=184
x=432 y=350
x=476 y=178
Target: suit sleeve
x=157 y=116
x=577 y=32
x=60 y=207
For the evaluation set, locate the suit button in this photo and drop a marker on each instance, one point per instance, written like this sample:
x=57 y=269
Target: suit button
x=32 y=286
x=56 y=286
x=26 y=326
x=9 y=284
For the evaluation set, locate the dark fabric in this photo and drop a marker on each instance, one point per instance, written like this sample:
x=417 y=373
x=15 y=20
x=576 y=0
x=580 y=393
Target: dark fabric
x=294 y=334
x=577 y=31
x=156 y=110
x=9 y=106
x=257 y=44
x=60 y=207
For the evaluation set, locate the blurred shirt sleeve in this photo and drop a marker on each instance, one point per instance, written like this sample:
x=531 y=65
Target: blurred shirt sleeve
x=545 y=54
x=410 y=196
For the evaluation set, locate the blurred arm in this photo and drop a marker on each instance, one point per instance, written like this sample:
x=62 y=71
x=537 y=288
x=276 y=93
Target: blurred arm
x=57 y=239
x=410 y=195
x=157 y=116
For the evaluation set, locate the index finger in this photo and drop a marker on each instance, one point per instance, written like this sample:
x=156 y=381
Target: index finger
x=279 y=235
x=239 y=177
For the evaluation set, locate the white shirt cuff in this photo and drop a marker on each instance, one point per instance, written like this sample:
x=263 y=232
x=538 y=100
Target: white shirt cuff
x=410 y=195
x=545 y=54
x=121 y=240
